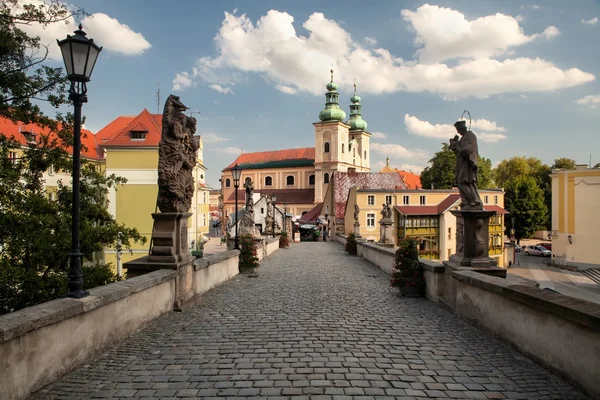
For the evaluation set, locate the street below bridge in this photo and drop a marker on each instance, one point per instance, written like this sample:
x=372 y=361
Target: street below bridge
x=316 y=323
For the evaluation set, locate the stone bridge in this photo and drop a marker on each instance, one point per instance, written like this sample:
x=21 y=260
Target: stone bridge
x=315 y=323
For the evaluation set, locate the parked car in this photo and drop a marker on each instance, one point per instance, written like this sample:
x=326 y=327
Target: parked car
x=537 y=250
x=547 y=246
x=517 y=247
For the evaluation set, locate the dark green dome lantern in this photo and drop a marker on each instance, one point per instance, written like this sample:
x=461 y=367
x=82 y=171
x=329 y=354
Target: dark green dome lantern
x=356 y=122
x=332 y=111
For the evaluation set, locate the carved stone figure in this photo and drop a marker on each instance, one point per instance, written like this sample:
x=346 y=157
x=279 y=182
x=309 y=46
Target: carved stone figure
x=269 y=216
x=249 y=197
x=176 y=158
x=386 y=212
x=465 y=173
x=356 y=212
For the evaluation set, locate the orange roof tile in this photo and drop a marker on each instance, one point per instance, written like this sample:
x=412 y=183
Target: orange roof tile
x=413 y=181
x=117 y=133
x=262 y=157
x=14 y=130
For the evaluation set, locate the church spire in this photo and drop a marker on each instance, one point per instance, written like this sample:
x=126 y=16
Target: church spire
x=356 y=122
x=332 y=110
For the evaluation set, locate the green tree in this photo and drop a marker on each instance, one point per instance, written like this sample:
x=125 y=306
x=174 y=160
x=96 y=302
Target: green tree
x=525 y=201
x=440 y=175
x=564 y=163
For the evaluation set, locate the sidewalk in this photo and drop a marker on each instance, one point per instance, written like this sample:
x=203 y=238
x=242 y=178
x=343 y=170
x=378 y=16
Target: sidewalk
x=214 y=246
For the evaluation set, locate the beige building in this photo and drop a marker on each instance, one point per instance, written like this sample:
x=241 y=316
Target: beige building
x=575 y=216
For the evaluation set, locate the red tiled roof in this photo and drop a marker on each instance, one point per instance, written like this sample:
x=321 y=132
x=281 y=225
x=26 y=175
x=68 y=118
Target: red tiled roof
x=344 y=181
x=14 y=130
x=498 y=209
x=413 y=181
x=261 y=157
x=118 y=132
x=442 y=207
x=312 y=214
x=289 y=196
x=418 y=210
x=448 y=202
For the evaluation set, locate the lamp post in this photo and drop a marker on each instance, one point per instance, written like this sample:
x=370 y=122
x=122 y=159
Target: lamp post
x=274 y=200
x=285 y=216
x=326 y=227
x=236 y=172
x=79 y=54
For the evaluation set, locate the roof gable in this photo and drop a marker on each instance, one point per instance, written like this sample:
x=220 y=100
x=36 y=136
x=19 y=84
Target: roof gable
x=118 y=132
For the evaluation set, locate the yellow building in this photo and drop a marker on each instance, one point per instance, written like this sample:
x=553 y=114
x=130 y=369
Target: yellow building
x=575 y=216
x=425 y=216
x=130 y=149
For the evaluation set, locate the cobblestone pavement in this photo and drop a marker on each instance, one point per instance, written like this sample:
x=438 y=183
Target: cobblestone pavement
x=319 y=324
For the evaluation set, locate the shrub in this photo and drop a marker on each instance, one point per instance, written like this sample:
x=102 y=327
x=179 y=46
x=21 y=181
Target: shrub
x=248 y=254
x=351 y=245
x=408 y=272
x=284 y=240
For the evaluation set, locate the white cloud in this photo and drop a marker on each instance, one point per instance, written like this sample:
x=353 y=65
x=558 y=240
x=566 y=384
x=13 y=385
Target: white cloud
x=272 y=48
x=445 y=131
x=182 y=81
x=107 y=32
x=523 y=96
x=415 y=169
x=378 y=135
x=211 y=137
x=445 y=34
x=221 y=89
x=286 y=89
x=551 y=32
x=592 y=21
x=591 y=101
x=398 y=151
x=229 y=150
x=370 y=40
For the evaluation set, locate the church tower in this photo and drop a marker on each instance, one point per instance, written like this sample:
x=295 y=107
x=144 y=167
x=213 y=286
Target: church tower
x=331 y=141
x=359 y=146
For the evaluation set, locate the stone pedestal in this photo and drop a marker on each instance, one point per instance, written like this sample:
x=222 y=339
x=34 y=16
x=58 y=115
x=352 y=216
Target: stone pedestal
x=386 y=232
x=170 y=238
x=357 y=229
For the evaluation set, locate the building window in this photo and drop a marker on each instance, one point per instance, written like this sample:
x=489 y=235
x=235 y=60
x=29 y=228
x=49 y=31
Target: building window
x=495 y=199
x=485 y=199
x=51 y=170
x=311 y=180
x=289 y=180
x=370 y=219
x=388 y=199
x=326 y=147
x=227 y=182
x=262 y=210
x=12 y=156
x=268 y=181
x=138 y=135
x=422 y=200
x=365 y=155
x=325 y=177
x=406 y=200
x=342 y=147
x=370 y=200
x=327 y=209
x=449 y=233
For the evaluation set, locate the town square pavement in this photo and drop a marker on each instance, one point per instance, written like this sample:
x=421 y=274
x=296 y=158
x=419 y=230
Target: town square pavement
x=316 y=323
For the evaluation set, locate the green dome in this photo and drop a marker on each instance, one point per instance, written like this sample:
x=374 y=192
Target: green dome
x=357 y=124
x=355 y=98
x=332 y=86
x=332 y=114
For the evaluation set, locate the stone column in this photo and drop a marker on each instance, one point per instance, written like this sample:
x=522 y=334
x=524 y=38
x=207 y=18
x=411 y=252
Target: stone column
x=357 y=229
x=386 y=232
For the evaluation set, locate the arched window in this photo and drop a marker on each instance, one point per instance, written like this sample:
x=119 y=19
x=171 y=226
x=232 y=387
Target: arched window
x=342 y=147
x=365 y=154
x=325 y=177
x=326 y=147
x=268 y=181
x=311 y=180
x=227 y=182
x=289 y=180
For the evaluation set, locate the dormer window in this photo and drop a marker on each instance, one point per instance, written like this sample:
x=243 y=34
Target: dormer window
x=138 y=135
x=29 y=137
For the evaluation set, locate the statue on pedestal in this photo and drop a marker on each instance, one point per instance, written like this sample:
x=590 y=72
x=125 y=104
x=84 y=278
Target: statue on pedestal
x=386 y=213
x=246 y=222
x=465 y=173
x=356 y=212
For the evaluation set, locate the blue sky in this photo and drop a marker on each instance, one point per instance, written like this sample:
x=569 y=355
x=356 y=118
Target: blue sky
x=527 y=72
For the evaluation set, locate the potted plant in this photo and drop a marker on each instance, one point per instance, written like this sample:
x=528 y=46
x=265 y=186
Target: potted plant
x=408 y=272
x=248 y=255
x=284 y=240
x=351 y=245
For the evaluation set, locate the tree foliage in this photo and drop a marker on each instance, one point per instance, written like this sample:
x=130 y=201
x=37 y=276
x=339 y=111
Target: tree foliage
x=440 y=174
x=564 y=163
x=525 y=201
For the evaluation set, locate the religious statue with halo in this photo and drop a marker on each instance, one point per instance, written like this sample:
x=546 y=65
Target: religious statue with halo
x=465 y=173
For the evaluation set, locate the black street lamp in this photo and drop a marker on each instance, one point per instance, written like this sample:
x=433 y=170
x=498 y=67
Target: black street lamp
x=326 y=227
x=80 y=55
x=236 y=173
x=285 y=216
x=274 y=199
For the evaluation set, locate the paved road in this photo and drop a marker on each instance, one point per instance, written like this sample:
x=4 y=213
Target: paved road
x=316 y=323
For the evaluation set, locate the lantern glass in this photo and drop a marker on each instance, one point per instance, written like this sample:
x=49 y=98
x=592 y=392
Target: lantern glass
x=236 y=173
x=65 y=48
x=80 y=55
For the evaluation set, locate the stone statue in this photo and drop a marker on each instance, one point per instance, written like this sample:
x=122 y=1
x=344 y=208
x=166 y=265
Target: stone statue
x=270 y=214
x=249 y=197
x=176 y=158
x=356 y=211
x=386 y=212
x=465 y=173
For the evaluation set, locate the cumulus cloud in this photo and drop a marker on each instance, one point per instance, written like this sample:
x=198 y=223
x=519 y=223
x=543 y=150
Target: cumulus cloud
x=370 y=40
x=378 y=135
x=182 y=81
x=592 y=21
x=107 y=32
x=295 y=63
x=591 y=101
x=396 y=150
x=418 y=127
x=221 y=89
x=211 y=137
x=229 y=150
